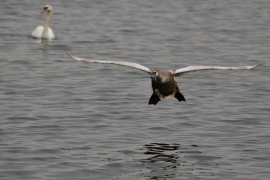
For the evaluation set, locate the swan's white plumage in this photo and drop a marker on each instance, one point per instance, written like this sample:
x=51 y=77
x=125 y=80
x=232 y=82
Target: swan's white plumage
x=37 y=33
x=44 y=32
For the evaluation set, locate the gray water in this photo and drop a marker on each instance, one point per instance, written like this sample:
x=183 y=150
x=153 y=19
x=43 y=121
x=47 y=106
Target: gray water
x=62 y=119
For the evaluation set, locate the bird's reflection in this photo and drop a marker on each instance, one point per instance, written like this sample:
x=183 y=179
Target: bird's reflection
x=159 y=151
x=163 y=157
x=45 y=48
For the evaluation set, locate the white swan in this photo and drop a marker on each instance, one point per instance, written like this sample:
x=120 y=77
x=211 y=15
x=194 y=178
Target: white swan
x=44 y=32
x=163 y=82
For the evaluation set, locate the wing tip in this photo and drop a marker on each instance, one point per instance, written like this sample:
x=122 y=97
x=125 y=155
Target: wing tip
x=73 y=57
x=262 y=63
x=251 y=67
x=67 y=53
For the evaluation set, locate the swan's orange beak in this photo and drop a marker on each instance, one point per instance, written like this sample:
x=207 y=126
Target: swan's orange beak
x=44 y=10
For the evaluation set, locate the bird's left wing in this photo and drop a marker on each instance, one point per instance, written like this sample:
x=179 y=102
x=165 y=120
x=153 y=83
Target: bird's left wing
x=115 y=63
x=205 y=69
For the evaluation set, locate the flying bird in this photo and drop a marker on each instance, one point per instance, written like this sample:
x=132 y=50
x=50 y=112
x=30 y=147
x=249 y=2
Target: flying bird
x=163 y=82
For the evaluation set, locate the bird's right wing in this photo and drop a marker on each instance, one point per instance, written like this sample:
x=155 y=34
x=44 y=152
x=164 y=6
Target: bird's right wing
x=115 y=63
x=204 y=69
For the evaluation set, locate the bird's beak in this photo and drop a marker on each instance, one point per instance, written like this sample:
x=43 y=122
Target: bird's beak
x=44 y=10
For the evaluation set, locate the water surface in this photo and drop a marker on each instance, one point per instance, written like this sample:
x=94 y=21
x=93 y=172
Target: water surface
x=62 y=119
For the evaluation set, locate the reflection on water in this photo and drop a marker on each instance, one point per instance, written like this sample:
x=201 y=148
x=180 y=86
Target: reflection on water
x=163 y=160
x=159 y=150
x=45 y=48
x=173 y=160
x=45 y=44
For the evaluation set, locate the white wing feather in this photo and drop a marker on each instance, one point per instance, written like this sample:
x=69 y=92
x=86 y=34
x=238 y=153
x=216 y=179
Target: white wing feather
x=204 y=69
x=115 y=63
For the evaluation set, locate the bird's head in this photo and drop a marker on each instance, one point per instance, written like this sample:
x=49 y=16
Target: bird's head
x=154 y=74
x=47 y=8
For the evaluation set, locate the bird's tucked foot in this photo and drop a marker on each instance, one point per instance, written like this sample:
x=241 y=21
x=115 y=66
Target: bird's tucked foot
x=178 y=95
x=154 y=99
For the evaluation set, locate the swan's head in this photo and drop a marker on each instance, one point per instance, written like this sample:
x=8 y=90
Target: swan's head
x=154 y=73
x=47 y=8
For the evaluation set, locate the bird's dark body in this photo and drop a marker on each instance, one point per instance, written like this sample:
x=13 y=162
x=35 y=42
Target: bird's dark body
x=164 y=85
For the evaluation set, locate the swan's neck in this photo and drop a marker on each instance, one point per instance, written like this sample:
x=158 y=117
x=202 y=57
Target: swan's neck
x=46 y=25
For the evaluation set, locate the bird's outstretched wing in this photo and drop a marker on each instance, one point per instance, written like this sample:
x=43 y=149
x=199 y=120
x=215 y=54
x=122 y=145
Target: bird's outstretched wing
x=115 y=63
x=204 y=69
